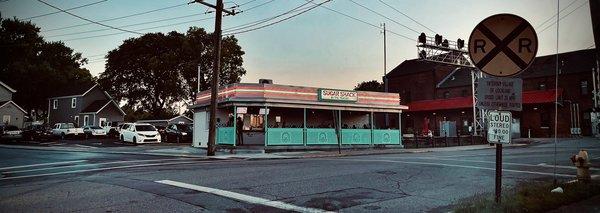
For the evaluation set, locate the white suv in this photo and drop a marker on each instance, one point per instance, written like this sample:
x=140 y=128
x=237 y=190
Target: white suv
x=140 y=133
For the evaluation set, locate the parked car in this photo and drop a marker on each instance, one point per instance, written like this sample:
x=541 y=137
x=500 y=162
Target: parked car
x=113 y=129
x=64 y=130
x=123 y=126
x=140 y=133
x=177 y=133
x=37 y=132
x=93 y=131
x=161 y=130
x=10 y=133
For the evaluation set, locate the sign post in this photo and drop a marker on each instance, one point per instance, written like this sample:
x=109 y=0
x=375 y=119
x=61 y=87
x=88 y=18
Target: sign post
x=501 y=45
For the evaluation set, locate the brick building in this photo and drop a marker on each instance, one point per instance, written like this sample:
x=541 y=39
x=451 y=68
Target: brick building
x=438 y=92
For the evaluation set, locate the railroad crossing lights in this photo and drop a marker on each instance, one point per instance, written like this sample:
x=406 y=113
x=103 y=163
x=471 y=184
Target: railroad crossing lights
x=503 y=45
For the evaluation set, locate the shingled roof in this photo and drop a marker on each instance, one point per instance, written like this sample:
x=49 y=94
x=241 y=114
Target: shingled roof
x=74 y=90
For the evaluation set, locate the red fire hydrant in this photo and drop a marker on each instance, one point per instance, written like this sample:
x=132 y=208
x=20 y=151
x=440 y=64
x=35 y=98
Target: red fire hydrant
x=582 y=162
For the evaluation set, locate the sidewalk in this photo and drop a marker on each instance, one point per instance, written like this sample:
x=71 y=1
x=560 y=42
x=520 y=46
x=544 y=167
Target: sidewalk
x=192 y=152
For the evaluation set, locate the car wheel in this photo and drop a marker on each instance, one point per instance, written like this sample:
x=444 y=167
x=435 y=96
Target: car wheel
x=178 y=139
x=30 y=138
x=62 y=136
x=86 y=136
x=134 y=141
x=121 y=139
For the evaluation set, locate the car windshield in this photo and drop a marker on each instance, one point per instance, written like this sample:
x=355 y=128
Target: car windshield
x=183 y=127
x=95 y=127
x=68 y=126
x=144 y=128
x=11 y=128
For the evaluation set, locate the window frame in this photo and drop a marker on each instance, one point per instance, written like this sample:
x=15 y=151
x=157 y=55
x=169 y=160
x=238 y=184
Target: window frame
x=55 y=104
x=73 y=103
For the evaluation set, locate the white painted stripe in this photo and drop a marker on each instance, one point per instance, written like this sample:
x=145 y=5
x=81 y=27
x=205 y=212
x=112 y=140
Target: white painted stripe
x=460 y=166
x=91 y=164
x=42 y=164
x=494 y=162
x=241 y=197
x=85 y=146
x=97 y=169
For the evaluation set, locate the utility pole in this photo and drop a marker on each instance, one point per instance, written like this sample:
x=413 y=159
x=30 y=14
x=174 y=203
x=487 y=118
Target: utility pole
x=212 y=129
x=385 y=80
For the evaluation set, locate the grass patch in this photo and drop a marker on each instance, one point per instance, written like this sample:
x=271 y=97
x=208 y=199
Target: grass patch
x=530 y=197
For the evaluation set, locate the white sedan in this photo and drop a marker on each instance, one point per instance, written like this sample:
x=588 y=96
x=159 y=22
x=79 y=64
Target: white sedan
x=94 y=131
x=140 y=133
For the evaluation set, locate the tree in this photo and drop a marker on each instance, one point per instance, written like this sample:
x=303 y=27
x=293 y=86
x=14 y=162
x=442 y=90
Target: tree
x=153 y=72
x=373 y=85
x=37 y=69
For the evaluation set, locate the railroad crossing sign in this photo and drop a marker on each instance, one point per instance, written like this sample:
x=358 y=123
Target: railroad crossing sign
x=499 y=124
x=503 y=45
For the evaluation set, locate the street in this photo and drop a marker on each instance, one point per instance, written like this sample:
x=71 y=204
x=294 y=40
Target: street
x=51 y=181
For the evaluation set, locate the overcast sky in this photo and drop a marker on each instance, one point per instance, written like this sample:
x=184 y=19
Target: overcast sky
x=318 y=48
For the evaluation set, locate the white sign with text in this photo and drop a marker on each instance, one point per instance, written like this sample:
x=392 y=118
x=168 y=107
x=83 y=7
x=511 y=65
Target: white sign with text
x=499 y=127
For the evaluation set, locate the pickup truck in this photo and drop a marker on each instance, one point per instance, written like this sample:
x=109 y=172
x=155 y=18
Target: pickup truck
x=64 y=130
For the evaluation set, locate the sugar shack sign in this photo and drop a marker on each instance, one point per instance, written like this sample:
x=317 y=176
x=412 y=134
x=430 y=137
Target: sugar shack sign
x=337 y=95
x=500 y=94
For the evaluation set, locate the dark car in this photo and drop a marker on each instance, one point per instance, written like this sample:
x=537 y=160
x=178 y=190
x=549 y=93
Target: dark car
x=162 y=130
x=177 y=133
x=37 y=132
x=10 y=132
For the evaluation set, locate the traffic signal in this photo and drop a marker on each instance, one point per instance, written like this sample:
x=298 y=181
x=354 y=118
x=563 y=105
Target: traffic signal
x=460 y=43
x=422 y=38
x=445 y=43
x=438 y=39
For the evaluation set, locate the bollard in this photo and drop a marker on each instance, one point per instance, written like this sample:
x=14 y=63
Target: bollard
x=582 y=162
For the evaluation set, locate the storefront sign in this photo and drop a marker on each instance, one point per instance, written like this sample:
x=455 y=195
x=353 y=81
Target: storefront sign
x=337 y=95
x=500 y=94
x=499 y=123
x=242 y=110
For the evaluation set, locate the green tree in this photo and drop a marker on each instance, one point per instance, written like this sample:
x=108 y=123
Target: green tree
x=373 y=85
x=37 y=69
x=155 y=71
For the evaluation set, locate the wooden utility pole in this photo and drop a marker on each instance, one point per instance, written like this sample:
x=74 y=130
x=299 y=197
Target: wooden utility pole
x=212 y=128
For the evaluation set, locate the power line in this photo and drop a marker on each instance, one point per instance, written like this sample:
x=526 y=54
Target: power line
x=549 y=19
x=98 y=23
x=561 y=18
x=117 y=18
x=273 y=23
x=254 y=23
x=392 y=20
x=149 y=28
x=72 y=8
x=259 y=5
x=365 y=22
x=407 y=16
x=129 y=25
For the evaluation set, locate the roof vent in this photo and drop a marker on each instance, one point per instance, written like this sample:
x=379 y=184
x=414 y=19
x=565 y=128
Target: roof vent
x=265 y=81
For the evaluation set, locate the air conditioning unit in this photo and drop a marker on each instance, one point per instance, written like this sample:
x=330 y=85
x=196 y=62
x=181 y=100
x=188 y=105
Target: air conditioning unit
x=265 y=81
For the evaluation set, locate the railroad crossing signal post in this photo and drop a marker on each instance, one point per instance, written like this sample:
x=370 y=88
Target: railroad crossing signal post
x=501 y=45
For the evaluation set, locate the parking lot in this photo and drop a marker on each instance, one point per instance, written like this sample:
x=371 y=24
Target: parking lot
x=85 y=143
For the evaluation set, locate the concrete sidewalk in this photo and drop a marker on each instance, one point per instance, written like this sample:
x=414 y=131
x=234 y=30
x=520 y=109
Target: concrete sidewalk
x=192 y=152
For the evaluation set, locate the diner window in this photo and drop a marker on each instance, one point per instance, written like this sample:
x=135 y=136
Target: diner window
x=446 y=94
x=542 y=86
x=545 y=120
x=584 y=87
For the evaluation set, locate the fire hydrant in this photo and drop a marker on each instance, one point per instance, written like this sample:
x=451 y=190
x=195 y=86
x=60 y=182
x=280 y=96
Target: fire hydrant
x=582 y=162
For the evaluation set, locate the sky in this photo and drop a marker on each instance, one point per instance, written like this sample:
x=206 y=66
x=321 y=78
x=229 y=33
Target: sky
x=318 y=48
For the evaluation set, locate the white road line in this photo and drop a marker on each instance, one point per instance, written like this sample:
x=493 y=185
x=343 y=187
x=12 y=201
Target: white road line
x=42 y=164
x=459 y=166
x=98 y=169
x=241 y=197
x=91 y=164
x=85 y=146
x=494 y=162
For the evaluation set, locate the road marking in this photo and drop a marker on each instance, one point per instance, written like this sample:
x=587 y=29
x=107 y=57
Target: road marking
x=241 y=197
x=460 y=166
x=494 y=162
x=98 y=169
x=85 y=146
x=91 y=164
x=42 y=164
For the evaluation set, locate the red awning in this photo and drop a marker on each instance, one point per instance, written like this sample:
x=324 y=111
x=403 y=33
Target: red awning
x=529 y=97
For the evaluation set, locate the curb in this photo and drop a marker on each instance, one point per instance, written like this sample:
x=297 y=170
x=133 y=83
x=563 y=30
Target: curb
x=96 y=151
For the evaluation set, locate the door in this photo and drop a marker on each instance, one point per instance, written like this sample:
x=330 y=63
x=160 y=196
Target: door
x=86 y=120
x=102 y=122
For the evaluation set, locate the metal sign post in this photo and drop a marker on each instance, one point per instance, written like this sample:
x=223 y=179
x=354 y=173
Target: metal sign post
x=501 y=45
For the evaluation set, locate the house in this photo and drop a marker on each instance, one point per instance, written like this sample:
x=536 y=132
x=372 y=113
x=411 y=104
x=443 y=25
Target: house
x=82 y=106
x=11 y=113
x=437 y=92
x=181 y=119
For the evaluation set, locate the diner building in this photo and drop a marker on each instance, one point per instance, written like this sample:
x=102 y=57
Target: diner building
x=285 y=116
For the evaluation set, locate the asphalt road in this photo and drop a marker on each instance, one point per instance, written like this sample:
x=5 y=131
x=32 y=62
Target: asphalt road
x=50 y=181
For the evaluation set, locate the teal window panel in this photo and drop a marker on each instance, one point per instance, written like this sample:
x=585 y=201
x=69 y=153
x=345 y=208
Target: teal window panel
x=225 y=135
x=356 y=136
x=386 y=136
x=285 y=136
x=321 y=136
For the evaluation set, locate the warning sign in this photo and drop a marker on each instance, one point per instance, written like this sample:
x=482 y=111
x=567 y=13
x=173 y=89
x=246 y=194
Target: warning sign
x=499 y=124
x=503 y=45
x=500 y=94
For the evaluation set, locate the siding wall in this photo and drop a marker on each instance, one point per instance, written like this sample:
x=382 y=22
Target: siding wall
x=16 y=115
